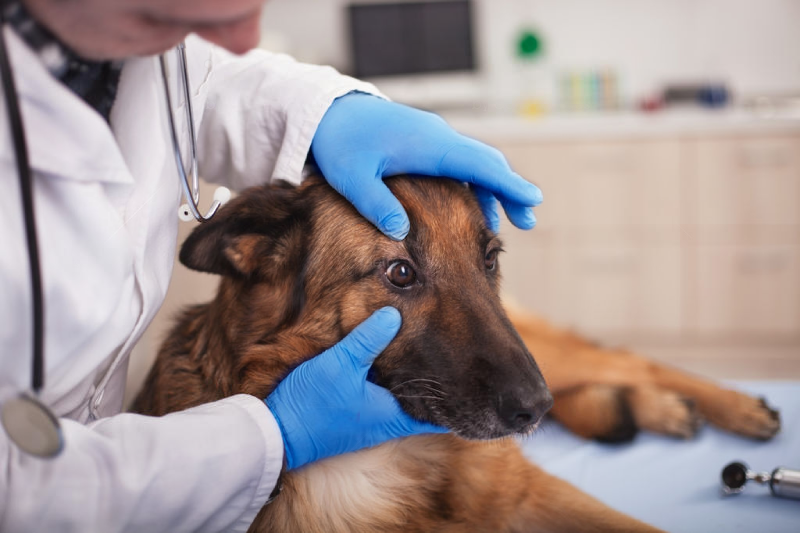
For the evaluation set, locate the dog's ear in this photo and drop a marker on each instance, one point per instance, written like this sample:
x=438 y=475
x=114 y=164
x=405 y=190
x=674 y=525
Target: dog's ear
x=258 y=235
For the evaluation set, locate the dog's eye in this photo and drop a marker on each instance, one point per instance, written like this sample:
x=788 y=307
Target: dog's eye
x=400 y=274
x=490 y=259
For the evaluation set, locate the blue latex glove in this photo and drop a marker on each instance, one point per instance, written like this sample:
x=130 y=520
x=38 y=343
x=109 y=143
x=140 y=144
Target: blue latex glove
x=326 y=406
x=363 y=139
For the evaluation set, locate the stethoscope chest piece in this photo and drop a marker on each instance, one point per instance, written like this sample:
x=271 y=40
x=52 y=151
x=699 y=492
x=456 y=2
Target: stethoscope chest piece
x=32 y=426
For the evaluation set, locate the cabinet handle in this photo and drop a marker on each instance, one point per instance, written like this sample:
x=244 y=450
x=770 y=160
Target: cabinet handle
x=762 y=262
x=607 y=265
x=758 y=157
x=611 y=162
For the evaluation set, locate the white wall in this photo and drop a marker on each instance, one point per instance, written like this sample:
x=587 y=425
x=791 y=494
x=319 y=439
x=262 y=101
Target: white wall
x=753 y=45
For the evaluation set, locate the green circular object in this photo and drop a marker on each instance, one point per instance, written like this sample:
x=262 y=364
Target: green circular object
x=529 y=44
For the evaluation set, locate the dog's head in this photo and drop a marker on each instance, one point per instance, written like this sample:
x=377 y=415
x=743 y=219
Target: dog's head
x=301 y=268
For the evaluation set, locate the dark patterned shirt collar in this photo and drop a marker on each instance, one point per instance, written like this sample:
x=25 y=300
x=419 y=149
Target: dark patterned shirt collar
x=95 y=82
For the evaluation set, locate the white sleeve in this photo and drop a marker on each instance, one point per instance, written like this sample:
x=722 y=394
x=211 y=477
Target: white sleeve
x=261 y=113
x=210 y=468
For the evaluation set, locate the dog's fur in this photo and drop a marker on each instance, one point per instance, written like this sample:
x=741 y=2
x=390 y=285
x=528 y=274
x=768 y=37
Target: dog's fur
x=300 y=269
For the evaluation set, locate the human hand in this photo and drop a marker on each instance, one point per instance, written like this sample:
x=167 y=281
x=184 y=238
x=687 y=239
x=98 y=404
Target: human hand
x=363 y=139
x=326 y=406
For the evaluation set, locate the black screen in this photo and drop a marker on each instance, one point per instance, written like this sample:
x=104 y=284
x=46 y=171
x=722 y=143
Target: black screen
x=411 y=38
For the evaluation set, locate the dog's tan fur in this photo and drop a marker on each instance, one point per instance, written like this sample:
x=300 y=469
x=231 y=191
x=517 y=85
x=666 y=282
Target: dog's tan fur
x=301 y=269
x=591 y=383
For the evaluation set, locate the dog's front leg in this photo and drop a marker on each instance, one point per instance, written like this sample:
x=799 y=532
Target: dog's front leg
x=555 y=506
x=495 y=489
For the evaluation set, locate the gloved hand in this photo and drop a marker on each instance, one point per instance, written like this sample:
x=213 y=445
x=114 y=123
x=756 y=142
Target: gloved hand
x=363 y=139
x=326 y=406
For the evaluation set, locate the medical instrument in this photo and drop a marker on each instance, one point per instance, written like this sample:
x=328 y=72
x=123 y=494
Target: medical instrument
x=29 y=423
x=783 y=482
x=190 y=191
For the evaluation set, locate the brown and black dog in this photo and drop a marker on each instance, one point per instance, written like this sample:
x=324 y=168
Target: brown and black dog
x=300 y=269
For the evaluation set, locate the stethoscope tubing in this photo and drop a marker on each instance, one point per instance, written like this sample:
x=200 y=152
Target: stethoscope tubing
x=29 y=423
x=26 y=192
x=190 y=190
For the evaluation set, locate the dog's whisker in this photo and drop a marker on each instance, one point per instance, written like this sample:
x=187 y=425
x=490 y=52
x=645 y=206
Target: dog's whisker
x=420 y=381
x=432 y=394
x=417 y=396
x=422 y=388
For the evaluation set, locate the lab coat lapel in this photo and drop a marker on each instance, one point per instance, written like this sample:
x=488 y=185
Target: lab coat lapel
x=72 y=141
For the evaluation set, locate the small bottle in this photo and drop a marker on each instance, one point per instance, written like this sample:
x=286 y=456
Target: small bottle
x=532 y=73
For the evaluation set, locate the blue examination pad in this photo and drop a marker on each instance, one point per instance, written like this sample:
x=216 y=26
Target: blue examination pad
x=675 y=484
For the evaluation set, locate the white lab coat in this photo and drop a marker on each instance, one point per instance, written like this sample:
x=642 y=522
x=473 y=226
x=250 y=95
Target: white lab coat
x=106 y=212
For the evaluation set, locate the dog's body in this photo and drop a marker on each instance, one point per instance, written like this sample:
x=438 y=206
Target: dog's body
x=301 y=268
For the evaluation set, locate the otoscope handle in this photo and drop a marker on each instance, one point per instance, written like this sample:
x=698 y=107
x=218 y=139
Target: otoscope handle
x=785 y=483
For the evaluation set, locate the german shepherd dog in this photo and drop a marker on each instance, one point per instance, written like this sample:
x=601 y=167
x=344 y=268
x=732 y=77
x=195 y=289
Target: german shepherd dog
x=301 y=268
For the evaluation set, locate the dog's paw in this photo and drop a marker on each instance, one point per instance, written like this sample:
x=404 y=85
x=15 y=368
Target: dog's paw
x=624 y=427
x=599 y=412
x=743 y=414
x=665 y=412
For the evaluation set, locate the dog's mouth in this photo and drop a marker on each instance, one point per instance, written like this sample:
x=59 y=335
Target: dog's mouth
x=474 y=417
x=488 y=426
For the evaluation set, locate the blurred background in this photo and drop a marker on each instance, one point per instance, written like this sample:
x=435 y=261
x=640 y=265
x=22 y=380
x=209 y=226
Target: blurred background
x=665 y=135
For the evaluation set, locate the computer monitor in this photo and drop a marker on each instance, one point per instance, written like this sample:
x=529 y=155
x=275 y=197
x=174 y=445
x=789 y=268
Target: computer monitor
x=401 y=38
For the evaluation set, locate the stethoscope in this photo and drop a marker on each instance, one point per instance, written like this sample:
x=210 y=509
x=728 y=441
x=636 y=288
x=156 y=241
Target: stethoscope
x=29 y=423
x=191 y=191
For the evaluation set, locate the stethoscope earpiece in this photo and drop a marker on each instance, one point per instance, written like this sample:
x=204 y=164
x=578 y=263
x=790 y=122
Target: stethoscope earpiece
x=184 y=213
x=221 y=197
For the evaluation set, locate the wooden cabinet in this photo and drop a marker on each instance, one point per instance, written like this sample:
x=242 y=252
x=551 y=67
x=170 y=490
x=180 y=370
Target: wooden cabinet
x=609 y=187
x=743 y=250
x=745 y=290
x=663 y=238
x=744 y=181
x=618 y=288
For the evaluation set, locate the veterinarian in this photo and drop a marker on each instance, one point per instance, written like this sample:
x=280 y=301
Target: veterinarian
x=106 y=191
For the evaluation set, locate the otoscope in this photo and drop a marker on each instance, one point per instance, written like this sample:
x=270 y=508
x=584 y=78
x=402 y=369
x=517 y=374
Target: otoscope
x=783 y=482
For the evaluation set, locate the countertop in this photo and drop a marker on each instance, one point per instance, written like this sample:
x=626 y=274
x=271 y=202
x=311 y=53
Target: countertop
x=623 y=124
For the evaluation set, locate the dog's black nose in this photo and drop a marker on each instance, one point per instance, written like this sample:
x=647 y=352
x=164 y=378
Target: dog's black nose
x=520 y=412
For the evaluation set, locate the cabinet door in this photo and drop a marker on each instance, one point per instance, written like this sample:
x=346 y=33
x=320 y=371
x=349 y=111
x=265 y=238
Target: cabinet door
x=548 y=166
x=598 y=289
x=745 y=181
x=744 y=269
x=745 y=290
x=616 y=185
x=622 y=289
x=610 y=185
x=527 y=270
x=605 y=255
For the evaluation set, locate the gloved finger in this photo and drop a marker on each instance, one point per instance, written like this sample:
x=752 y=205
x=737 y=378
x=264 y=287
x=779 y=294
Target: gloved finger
x=488 y=204
x=520 y=215
x=410 y=426
x=369 y=339
x=373 y=199
x=400 y=423
x=477 y=163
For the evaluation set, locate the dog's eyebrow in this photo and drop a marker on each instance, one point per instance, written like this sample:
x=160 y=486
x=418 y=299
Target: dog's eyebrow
x=415 y=248
x=487 y=237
